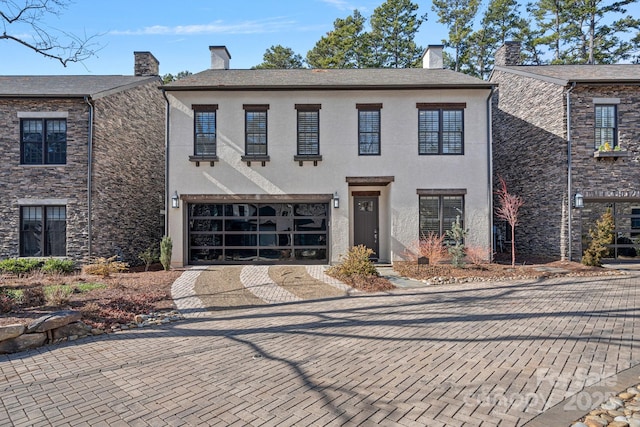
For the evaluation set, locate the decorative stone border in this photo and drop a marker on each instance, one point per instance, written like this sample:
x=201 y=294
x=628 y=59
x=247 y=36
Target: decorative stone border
x=67 y=326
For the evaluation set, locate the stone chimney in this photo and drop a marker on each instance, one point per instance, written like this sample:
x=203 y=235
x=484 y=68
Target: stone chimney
x=508 y=54
x=432 y=57
x=146 y=64
x=219 y=57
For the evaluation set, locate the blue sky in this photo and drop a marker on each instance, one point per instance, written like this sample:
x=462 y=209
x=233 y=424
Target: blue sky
x=179 y=33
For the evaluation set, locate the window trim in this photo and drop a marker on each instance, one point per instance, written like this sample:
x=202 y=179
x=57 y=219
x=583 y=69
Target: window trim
x=615 y=125
x=211 y=158
x=370 y=107
x=256 y=108
x=315 y=157
x=44 y=144
x=44 y=230
x=441 y=194
x=441 y=107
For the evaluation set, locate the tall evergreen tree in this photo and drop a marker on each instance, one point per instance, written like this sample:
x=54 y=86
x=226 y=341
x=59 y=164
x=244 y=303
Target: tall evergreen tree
x=344 y=47
x=458 y=16
x=551 y=21
x=594 y=32
x=394 y=25
x=280 y=57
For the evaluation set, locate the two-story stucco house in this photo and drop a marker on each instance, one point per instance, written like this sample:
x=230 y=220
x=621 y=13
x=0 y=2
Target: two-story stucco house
x=567 y=139
x=83 y=171
x=300 y=165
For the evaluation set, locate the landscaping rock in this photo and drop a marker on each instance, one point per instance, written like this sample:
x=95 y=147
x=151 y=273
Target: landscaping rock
x=77 y=328
x=53 y=321
x=11 y=331
x=23 y=342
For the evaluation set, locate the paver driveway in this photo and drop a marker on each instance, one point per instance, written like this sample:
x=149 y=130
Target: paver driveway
x=481 y=354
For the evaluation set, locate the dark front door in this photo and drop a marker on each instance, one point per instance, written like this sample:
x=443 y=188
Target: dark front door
x=366 y=223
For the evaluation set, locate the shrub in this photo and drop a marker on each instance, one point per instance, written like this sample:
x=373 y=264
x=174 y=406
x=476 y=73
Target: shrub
x=166 y=246
x=19 y=266
x=105 y=266
x=357 y=262
x=430 y=246
x=477 y=255
x=57 y=295
x=59 y=266
x=455 y=244
x=6 y=302
x=149 y=256
x=33 y=296
x=601 y=236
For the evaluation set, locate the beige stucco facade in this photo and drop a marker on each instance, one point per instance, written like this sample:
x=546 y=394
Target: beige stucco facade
x=402 y=169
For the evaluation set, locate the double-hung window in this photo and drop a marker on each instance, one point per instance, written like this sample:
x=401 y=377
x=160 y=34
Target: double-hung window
x=439 y=210
x=205 y=141
x=441 y=128
x=255 y=130
x=308 y=129
x=43 y=141
x=368 y=129
x=43 y=231
x=606 y=125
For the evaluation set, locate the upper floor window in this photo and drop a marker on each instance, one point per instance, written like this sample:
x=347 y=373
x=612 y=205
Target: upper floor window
x=440 y=128
x=256 y=130
x=606 y=125
x=438 y=212
x=369 y=129
x=43 y=231
x=43 y=141
x=205 y=130
x=308 y=129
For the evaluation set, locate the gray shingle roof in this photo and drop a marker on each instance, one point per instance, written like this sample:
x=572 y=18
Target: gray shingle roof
x=325 y=79
x=563 y=74
x=67 y=86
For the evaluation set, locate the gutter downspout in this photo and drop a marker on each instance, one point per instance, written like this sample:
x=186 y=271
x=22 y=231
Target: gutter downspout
x=166 y=165
x=490 y=168
x=569 y=189
x=87 y=99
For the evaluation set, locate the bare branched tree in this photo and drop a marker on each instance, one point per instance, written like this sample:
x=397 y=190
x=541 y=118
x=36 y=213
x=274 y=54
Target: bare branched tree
x=508 y=207
x=23 y=23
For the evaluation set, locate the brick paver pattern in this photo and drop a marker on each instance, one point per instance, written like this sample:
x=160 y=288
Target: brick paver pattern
x=256 y=279
x=455 y=355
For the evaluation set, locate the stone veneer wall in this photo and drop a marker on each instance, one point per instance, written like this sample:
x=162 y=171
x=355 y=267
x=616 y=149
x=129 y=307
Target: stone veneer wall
x=128 y=172
x=43 y=182
x=605 y=179
x=530 y=153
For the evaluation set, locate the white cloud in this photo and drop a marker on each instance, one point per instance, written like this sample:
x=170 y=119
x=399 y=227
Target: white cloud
x=217 y=27
x=339 y=4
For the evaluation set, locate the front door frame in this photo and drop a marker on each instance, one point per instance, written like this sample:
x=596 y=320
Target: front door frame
x=366 y=227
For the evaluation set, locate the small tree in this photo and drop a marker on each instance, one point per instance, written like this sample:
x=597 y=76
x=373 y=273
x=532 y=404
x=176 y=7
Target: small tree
x=455 y=244
x=166 y=246
x=149 y=256
x=508 y=210
x=601 y=236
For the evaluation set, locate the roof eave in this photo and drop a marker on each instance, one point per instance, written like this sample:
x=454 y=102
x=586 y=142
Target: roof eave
x=328 y=87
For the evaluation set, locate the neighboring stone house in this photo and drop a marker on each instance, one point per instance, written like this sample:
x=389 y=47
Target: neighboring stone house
x=562 y=131
x=83 y=170
x=300 y=165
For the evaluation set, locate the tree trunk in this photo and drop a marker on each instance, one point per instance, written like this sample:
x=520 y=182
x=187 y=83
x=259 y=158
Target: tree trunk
x=513 y=246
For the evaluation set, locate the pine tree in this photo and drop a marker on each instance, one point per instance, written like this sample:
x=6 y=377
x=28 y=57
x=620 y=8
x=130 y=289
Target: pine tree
x=344 y=47
x=280 y=57
x=458 y=16
x=394 y=25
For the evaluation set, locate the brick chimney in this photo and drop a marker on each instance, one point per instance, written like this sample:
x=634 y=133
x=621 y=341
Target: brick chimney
x=508 y=54
x=219 y=57
x=432 y=57
x=145 y=64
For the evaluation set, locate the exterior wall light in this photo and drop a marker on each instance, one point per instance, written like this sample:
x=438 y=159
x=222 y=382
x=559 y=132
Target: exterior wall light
x=578 y=201
x=336 y=200
x=175 y=200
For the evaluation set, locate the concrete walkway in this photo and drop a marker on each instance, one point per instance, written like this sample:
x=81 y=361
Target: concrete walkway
x=490 y=354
